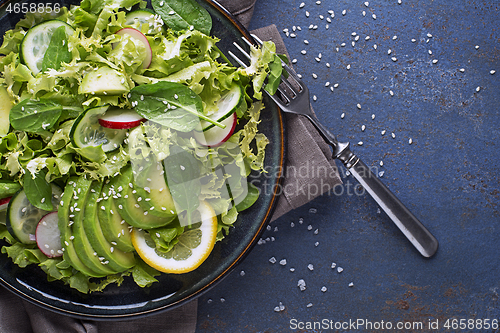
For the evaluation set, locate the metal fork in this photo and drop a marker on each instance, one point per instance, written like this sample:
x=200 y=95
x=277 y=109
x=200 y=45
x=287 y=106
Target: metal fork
x=293 y=97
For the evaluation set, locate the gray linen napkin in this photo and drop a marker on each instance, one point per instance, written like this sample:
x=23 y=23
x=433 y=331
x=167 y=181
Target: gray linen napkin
x=310 y=171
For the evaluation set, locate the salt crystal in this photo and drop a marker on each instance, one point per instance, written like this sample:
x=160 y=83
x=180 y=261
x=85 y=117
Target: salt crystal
x=272 y=260
x=339 y=269
x=310 y=267
x=283 y=262
x=324 y=289
x=313 y=210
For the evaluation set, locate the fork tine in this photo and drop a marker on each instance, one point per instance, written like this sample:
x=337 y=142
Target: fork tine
x=238 y=60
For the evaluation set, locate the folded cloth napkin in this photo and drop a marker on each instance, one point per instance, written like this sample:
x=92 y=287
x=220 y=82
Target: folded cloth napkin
x=310 y=171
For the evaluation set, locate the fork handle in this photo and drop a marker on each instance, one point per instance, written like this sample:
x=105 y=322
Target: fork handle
x=411 y=227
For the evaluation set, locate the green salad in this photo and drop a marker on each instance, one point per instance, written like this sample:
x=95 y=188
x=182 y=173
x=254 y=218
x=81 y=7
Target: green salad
x=126 y=140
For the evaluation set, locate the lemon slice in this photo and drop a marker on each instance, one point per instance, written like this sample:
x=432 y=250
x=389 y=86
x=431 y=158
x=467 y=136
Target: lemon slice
x=193 y=247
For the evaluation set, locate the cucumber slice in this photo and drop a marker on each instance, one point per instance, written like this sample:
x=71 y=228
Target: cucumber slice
x=23 y=217
x=36 y=41
x=227 y=105
x=137 y=18
x=86 y=131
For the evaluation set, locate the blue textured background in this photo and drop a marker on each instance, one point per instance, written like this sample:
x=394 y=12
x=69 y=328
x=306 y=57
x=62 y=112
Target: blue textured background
x=448 y=176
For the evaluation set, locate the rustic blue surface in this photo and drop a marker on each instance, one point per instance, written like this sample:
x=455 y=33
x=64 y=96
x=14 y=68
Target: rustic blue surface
x=448 y=176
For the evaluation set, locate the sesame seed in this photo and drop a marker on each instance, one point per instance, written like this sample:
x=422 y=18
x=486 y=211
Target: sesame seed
x=306 y=41
x=393 y=135
x=389 y=51
x=383 y=132
x=430 y=51
x=435 y=61
x=394 y=37
x=375 y=46
x=315 y=98
x=373 y=116
x=348 y=67
x=374 y=16
x=358 y=106
x=462 y=70
x=394 y=59
x=344 y=12
x=478 y=88
x=307 y=13
x=303 y=51
x=342 y=115
x=477 y=47
x=302 y=5
x=315 y=76
x=360 y=143
x=367 y=3
x=492 y=72
x=410 y=141
x=351 y=284
x=413 y=40
x=429 y=35
x=363 y=127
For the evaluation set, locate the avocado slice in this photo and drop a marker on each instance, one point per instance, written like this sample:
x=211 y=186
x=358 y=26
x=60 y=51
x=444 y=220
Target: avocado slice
x=114 y=228
x=86 y=252
x=113 y=258
x=104 y=81
x=69 y=254
x=155 y=196
x=130 y=210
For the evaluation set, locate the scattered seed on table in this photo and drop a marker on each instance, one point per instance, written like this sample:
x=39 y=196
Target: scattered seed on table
x=331 y=88
x=413 y=40
x=374 y=16
x=299 y=28
x=383 y=132
x=299 y=76
x=363 y=127
x=292 y=35
x=375 y=46
x=492 y=72
x=429 y=35
x=321 y=17
x=367 y=38
x=336 y=85
x=303 y=51
x=327 y=83
x=360 y=143
x=328 y=64
x=435 y=61
x=317 y=59
x=399 y=2
x=358 y=106
x=367 y=3
x=344 y=12
x=314 y=75
x=381 y=163
x=327 y=27
x=373 y=116
x=393 y=135
x=430 y=51
x=306 y=42
x=302 y=5
x=342 y=45
x=348 y=67
x=389 y=51
x=477 y=47
x=394 y=59
x=363 y=13
x=329 y=20
x=342 y=116
x=351 y=284
x=391 y=92
x=318 y=2
x=294 y=61
x=478 y=88
x=462 y=70
x=353 y=44
x=315 y=98
x=381 y=173
x=309 y=305
x=307 y=13
x=410 y=141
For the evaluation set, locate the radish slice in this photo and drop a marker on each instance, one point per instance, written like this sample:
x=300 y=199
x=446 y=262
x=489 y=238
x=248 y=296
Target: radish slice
x=134 y=33
x=216 y=136
x=120 y=119
x=48 y=236
x=4 y=203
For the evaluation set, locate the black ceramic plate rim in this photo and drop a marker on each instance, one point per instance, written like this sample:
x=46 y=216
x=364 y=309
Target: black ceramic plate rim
x=221 y=275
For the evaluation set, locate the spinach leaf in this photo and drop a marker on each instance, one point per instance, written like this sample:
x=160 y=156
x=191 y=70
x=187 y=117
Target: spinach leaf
x=182 y=174
x=57 y=51
x=170 y=104
x=182 y=14
x=35 y=116
x=250 y=198
x=38 y=190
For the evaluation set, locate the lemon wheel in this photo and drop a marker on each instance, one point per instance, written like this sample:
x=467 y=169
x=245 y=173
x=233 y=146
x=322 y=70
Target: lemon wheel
x=193 y=247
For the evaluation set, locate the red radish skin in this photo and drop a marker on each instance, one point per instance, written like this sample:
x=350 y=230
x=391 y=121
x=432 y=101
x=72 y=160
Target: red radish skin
x=48 y=236
x=216 y=136
x=121 y=119
x=4 y=203
x=134 y=33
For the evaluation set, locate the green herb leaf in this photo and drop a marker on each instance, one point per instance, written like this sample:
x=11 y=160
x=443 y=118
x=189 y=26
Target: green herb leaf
x=182 y=174
x=57 y=52
x=38 y=191
x=182 y=14
x=167 y=103
x=35 y=116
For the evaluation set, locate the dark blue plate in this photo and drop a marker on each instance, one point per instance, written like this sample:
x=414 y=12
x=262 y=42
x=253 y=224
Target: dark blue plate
x=129 y=300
